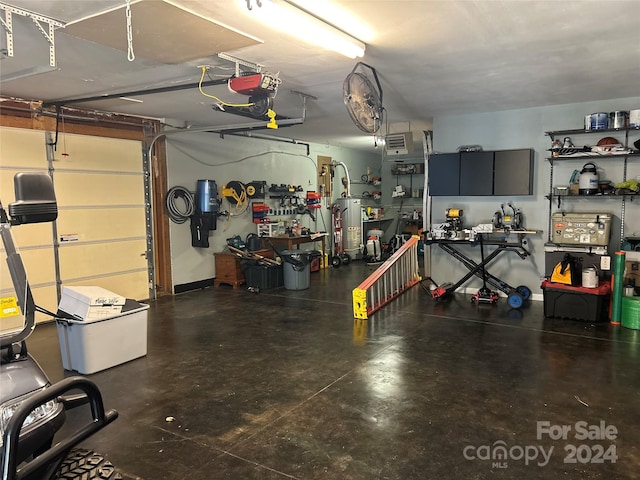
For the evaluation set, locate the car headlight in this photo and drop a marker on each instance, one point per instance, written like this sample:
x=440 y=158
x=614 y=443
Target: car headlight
x=38 y=415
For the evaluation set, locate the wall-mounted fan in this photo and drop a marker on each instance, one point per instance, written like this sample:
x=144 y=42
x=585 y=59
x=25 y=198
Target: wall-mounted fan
x=363 y=99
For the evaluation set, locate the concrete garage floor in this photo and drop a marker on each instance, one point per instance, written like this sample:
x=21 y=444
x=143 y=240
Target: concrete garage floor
x=284 y=385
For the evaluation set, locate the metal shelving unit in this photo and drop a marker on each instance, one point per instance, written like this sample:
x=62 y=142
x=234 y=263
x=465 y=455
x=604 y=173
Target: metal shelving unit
x=622 y=198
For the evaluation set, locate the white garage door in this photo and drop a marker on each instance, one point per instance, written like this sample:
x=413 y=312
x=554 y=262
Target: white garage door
x=101 y=226
x=25 y=150
x=101 y=229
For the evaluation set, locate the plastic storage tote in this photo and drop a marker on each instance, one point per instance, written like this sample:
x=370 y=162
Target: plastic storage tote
x=89 y=346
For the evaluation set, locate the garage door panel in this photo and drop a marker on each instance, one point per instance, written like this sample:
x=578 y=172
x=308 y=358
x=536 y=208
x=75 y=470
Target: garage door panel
x=102 y=154
x=46 y=297
x=79 y=260
x=31 y=235
x=92 y=225
x=132 y=284
x=39 y=264
x=85 y=189
x=14 y=323
x=23 y=148
x=99 y=185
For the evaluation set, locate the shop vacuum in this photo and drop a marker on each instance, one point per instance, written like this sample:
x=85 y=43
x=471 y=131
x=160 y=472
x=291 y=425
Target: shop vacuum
x=205 y=217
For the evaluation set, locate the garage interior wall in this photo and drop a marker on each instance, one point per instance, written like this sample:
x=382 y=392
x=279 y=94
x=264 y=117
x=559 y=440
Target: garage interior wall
x=526 y=128
x=101 y=223
x=207 y=156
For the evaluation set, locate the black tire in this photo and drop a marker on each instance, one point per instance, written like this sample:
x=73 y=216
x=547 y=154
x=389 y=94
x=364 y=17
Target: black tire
x=82 y=464
x=346 y=258
x=335 y=261
x=524 y=291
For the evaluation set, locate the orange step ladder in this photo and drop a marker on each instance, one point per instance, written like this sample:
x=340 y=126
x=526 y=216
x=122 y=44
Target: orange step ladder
x=394 y=277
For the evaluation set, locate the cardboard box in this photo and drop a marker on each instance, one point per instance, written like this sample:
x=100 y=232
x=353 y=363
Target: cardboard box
x=632 y=273
x=89 y=346
x=90 y=303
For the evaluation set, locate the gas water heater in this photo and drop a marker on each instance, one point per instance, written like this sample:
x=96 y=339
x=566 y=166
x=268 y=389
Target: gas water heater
x=351 y=225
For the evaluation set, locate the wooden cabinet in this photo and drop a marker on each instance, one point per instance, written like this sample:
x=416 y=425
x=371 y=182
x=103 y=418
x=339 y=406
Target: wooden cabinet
x=229 y=269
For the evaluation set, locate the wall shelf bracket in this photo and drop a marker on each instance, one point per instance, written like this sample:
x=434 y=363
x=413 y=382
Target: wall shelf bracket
x=40 y=21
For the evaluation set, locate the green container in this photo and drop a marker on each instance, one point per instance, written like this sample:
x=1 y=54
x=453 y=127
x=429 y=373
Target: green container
x=631 y=312
x=618 y=281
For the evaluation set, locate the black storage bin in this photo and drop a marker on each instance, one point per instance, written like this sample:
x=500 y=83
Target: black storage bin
x=264 y=277
x=578 y=303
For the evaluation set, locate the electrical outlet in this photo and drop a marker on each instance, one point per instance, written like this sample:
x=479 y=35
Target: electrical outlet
x=605 y=262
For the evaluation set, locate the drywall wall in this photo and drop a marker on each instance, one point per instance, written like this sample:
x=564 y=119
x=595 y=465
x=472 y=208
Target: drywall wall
x=194 y=156
x=526 y=129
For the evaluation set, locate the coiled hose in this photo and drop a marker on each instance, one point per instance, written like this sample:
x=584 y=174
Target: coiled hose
x=175 y=214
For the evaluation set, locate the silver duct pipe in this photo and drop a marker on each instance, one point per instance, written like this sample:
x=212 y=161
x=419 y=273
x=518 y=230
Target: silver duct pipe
x=346 y=171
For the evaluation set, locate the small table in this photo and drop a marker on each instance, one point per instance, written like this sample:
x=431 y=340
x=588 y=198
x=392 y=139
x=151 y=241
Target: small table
x=296 y=241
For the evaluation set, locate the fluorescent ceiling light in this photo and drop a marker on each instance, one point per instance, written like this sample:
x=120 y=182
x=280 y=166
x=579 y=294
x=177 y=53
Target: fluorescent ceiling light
x=130 y=99
x=337 y=16
x=287 y=18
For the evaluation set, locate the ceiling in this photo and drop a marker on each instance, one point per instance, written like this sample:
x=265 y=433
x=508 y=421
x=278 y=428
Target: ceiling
x=432 y=58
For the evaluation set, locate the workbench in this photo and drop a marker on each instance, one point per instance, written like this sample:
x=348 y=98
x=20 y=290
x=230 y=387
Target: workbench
x=504 y=241
x=295 y=241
